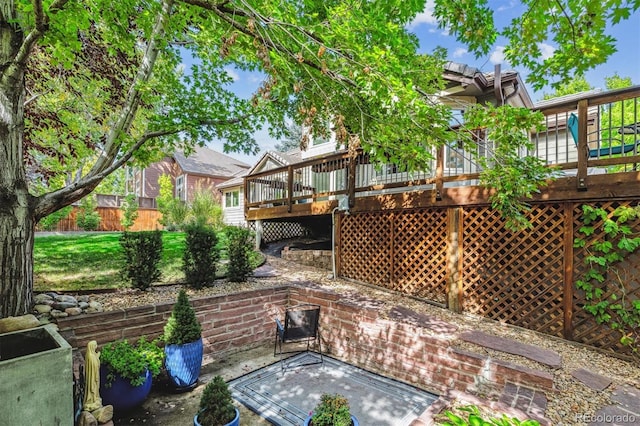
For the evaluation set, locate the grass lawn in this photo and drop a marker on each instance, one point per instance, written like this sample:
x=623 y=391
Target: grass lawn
x=95 y=261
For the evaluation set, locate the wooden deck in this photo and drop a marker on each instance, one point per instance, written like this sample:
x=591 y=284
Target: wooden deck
x=605 y=120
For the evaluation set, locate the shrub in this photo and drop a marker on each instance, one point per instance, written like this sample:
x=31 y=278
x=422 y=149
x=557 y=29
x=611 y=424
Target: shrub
x=142 y=251
x=131 y=361
x=333 y=410
x=216 y=404
x=129 y=211
x=178 y=212
x=165 y=198
x=205 y=209
x=200 y=256
x=50 y=222
x=240 y=246
x=473 y=417
x=88 y=219
x=182 y=326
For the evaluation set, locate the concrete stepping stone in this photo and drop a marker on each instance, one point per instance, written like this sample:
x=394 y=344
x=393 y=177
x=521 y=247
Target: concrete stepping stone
x=534 y=353
x=591 y=380
x=626 y=412
x=628 y=398
x=265 y=271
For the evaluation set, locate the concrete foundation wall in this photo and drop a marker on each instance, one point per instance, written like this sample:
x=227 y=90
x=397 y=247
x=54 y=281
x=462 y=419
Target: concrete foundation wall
x=317 y=258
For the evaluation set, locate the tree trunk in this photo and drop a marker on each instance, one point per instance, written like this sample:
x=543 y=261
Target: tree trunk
x=17 y=225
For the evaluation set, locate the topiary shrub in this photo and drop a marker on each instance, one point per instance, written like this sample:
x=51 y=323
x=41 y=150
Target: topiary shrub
x=142 y=252
x=182 y=326
x=240 y=245
x=200 y=256
x=216 y=404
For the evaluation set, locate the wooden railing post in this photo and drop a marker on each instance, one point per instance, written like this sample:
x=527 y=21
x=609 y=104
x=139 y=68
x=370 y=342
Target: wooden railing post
x=351 y=179
x=246 y=197
x=439 y=172
x=289 y=188
x=454 y=260
x=583 y=148
x=567 y=296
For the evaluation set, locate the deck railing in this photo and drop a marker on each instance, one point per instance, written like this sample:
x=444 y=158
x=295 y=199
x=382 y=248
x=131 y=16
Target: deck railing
x=594 y=134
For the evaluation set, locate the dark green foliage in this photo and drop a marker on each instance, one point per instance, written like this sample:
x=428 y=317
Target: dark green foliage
x=131 y=361
x=142 y=251
x=182 y=326
x=239 y=248
x=129 y=211
x=88 y=219
x=473 y=417
x=200 y=256
x=333 y=410
x=49 y=223
x=216 y=404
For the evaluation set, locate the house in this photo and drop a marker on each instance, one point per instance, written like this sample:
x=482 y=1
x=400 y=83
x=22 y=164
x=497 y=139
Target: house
x=204 y=168
x=434 y=235
x=233 y=189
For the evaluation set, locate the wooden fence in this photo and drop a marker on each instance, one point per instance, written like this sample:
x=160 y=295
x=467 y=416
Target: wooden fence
x=464 y=258
x=148 y=220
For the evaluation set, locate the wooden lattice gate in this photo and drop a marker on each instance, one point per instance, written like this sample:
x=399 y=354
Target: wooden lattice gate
x=466 y=259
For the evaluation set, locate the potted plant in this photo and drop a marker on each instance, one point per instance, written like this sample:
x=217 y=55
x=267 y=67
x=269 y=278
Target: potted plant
x=333 y=410
x=216 y=406
x=183 y=345
x=126 y=372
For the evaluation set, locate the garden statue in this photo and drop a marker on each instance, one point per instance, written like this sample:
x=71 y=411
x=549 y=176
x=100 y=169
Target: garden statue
x=93 y=410
x=92 y=400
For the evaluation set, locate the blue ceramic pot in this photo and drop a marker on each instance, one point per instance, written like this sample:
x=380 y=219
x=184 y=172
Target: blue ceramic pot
x=121 y=394
x=183 y=363
x=234 y=422
x=307 y=422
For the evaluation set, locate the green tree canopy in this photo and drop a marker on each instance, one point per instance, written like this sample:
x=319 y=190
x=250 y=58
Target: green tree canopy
x=89 y=86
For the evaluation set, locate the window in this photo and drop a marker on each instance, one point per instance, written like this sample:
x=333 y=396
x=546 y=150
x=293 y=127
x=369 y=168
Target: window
x=180 y=192
x=232 y=199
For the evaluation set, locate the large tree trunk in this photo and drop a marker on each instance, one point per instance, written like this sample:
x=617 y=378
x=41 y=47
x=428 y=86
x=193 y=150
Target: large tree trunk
x=16 y=211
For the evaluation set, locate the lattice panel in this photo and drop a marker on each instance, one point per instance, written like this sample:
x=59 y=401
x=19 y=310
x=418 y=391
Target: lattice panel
x=515 y=277
x=276 y=231
x=365 y=247
x=420 y=253
x=586 y=329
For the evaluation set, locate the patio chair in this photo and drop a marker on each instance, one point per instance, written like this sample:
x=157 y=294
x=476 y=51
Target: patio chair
x=572 y=125
x=301 y=324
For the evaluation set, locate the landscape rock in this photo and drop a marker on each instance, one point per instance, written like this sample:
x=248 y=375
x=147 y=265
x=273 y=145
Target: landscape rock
x=58 y=314
x=43 y=298
x=103 y=414
x=87 y=419
x=61 y=306
x=18 y=323
x=43 y=309
x=83 y=299
x=83 y=305
x=63 y=298
x=73 y=311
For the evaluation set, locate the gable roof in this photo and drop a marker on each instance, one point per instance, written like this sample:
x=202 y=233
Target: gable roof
x=280 y=158
x=205 y=161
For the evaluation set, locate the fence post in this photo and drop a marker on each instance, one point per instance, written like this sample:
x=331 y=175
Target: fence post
x=439 y=172
x=567 y=296
x=454 y=260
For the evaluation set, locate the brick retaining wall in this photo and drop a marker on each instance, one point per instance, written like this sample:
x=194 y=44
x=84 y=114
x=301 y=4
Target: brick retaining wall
x=416 y=349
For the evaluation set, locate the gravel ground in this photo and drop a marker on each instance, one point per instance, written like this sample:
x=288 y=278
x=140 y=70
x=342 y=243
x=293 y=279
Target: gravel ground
x=572 y=397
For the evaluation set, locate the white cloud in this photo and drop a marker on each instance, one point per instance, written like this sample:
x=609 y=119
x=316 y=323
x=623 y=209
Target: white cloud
x=508 y=6
x=459 y=52
x=232 y=73
x=426 y=17
x=546 y=50
x=497 y=56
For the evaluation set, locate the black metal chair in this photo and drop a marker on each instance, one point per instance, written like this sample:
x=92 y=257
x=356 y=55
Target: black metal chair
x=301 y=324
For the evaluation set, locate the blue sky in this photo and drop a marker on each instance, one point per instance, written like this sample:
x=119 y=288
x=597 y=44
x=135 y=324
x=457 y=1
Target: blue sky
x=625 y=62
